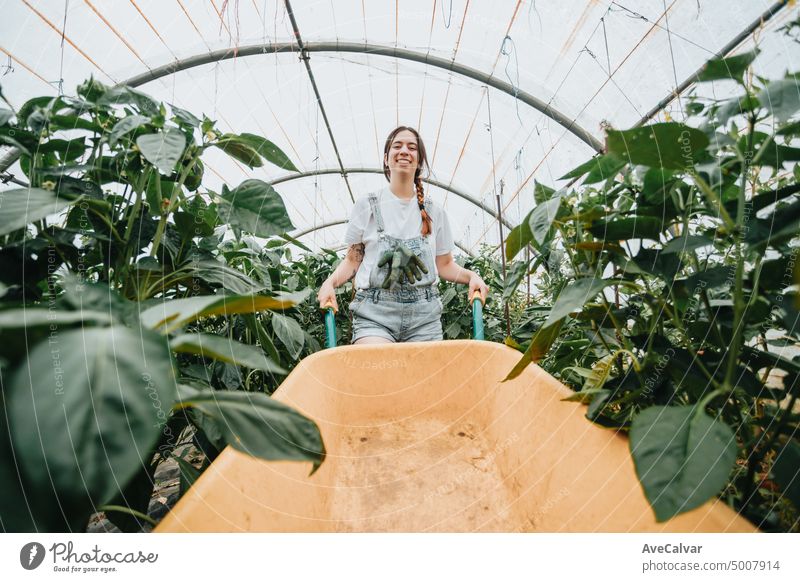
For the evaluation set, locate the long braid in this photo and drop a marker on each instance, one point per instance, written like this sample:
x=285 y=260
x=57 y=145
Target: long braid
x=426 y=219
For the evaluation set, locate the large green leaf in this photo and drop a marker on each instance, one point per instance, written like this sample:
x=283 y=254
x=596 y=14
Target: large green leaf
x=31 y=105
x=163 y=149
x=255 y=327
x=19 y=138
x=188 y=474
x=35 y=316
x=514 y=277
x=627 y=228
x=91 y=89
x=599 y=168
x=74 y=122
x=268 y=150
x=781 y=98
x=289 y=332
x=729 y=68
x=236 y=148
x=776 y=228
x=68 y=150
x=709 y=278
x=763 y=200
x=225 y=349
x=731 y=108
x=124 y=95
x=683 y=457
x=17 y=512
x=22 y=206
x=540 y=344
x=190 y=225
x=656 y=185
x=770 y=153
x=210 y=431
x=259 y=425
x=542 y=217
x=654 y=262
x=255 y=207
x=185 y=117
x=791 y=129
x=87 y=407
x=212 y=271
x=202 y=212
x=124 y=126
x=686 y=244
x=671 y=146
x=519 y=237
x=574 y=296
x=175 y=313
x=542 y=192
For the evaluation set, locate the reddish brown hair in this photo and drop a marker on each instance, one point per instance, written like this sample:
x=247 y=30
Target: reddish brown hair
x=423 y=162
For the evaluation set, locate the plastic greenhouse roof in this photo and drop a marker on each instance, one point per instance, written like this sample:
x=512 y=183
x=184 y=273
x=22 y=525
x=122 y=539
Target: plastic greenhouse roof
x=592 y=62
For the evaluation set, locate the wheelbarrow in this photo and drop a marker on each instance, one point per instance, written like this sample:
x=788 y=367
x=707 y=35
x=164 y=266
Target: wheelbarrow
x=428 y=437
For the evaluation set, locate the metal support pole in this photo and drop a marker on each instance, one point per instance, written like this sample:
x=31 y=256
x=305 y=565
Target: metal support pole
x=304 y=56
x=336 y=46
x=528 y=262
x=498 y=197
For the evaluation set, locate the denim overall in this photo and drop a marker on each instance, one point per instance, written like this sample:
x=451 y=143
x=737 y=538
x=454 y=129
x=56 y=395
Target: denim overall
x=408 y=312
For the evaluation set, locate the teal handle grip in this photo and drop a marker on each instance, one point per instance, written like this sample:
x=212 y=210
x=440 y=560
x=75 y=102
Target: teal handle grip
x=477 y=316
x=330 y=328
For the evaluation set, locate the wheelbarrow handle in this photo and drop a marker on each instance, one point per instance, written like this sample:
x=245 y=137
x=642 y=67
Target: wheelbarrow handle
x=477 y=315
x=330 y=324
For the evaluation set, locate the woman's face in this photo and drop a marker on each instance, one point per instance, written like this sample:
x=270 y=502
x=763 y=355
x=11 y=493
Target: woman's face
x=403 y=156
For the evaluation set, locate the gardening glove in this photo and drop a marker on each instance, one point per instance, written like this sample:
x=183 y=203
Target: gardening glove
x=402 y=263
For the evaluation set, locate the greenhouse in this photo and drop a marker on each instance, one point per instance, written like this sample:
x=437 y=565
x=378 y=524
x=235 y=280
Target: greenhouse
x=440 y=265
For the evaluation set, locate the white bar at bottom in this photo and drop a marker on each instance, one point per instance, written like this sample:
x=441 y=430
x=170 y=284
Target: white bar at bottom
x=404 y=557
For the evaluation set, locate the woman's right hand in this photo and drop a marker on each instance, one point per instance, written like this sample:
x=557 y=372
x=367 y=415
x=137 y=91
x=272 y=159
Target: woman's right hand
x=327 y=296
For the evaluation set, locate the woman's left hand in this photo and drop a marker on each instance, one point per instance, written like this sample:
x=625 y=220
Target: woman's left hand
x=477 y=284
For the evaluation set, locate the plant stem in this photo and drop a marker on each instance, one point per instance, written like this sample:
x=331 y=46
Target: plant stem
x=713 y=199
x=176 y=191
x=129 y=511
x=712 y=320
x=138 y=193
x=739 y=307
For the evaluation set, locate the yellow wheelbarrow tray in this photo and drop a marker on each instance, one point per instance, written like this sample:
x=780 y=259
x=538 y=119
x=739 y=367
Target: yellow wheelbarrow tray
x=426 y=437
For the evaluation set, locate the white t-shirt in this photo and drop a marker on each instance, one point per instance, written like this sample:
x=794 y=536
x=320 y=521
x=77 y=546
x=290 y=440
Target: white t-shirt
x=401 y=219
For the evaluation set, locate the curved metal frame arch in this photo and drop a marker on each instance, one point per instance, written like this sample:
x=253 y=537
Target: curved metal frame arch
x=372 y=49
x=318 y=227
x=341 y=247
x=430 y=181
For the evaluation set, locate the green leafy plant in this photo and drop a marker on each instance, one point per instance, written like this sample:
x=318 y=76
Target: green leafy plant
x=127 y=317
x=670 y=277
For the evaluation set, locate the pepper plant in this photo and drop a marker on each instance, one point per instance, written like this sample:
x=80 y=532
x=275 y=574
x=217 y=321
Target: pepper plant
x=122 y=283
x=671 y=279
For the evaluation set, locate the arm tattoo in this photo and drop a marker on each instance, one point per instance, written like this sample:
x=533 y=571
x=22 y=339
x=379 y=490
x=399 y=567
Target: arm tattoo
x=356 y=252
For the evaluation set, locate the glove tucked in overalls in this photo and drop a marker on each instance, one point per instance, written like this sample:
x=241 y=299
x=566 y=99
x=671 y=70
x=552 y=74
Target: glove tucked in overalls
x=407 y=311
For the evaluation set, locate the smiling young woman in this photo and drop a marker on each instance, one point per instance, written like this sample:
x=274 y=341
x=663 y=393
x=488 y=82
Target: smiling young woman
x=397 y=251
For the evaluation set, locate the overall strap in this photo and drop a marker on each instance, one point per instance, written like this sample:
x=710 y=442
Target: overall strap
x=376 y=211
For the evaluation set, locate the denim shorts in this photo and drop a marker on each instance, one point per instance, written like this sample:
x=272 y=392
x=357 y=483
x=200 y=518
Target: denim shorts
x=406 y=315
